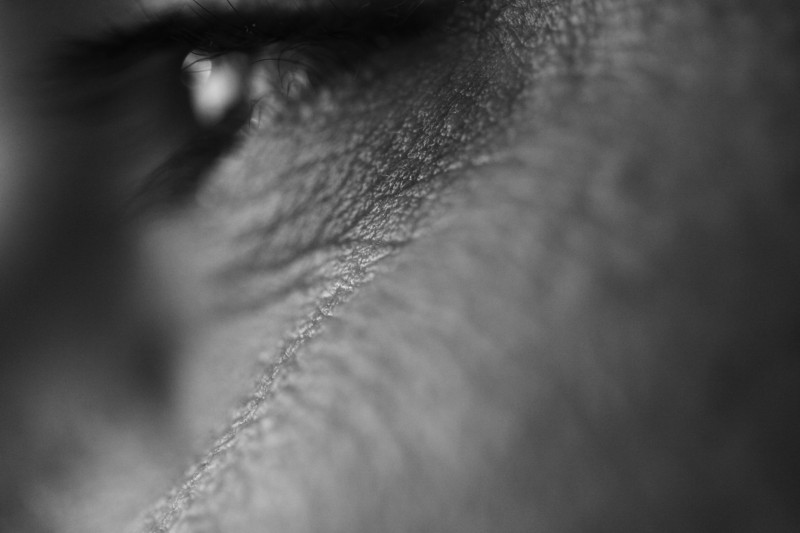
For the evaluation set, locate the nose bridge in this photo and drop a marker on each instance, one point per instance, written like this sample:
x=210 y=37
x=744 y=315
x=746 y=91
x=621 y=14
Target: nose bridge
x=79 y=310
x=73 y=281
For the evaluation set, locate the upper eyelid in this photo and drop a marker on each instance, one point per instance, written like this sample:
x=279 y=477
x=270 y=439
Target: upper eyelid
x=221 y=31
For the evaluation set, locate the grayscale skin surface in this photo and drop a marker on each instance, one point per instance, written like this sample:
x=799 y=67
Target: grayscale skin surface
x=532 y=269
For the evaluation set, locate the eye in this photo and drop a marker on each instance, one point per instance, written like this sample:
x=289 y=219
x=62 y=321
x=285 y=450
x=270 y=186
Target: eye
x=225 y=70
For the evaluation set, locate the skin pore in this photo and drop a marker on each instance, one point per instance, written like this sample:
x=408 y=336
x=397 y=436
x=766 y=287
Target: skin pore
x=508 y=265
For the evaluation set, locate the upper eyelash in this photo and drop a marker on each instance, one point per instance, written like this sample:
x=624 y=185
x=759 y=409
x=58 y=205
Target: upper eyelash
x=347 y=37
x=220 y=31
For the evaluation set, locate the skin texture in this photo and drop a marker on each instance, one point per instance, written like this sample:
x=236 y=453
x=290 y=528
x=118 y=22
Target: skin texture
x=534 y=270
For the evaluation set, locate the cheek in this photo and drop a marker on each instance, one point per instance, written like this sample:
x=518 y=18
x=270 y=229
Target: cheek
x=572 y=347
x=304 y=213
x=293 y=227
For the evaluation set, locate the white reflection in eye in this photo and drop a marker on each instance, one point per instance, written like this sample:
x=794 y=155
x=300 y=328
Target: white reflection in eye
x=216 y=84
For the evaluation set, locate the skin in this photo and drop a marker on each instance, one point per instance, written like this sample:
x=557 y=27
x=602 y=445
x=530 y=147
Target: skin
x=539 y=274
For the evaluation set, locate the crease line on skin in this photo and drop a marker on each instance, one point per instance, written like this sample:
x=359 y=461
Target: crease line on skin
x=175 y=503
x=169 y=510
x=162 y=516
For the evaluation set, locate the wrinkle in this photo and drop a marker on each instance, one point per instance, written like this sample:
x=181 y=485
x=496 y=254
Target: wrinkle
x=551 y=337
